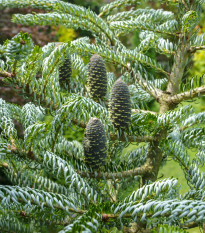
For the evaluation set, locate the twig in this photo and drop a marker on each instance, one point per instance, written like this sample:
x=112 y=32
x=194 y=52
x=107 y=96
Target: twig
x=189 y=225
x=144 y=169
x=187 y=95
x=5 y=74
x=4 y=165
x=56 y=136
x=14 y=68
x=143 y=111
x=153 y=91
x=131 y=138
x=194 y=49
x=185 y=4
x=111 y=191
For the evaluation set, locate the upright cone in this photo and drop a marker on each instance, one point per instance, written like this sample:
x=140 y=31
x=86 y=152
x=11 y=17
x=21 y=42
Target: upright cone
x=97 y=77
x=95 y=144
x=65 y=71
x=120 y=105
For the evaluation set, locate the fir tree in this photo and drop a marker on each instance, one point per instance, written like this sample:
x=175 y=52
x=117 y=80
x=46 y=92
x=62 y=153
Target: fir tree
x=52 y=183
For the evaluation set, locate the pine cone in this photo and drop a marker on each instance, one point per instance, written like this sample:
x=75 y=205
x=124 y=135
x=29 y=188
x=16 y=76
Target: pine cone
x=97 y=77
x=120 y=105
x=95 y=144
x=65 y=71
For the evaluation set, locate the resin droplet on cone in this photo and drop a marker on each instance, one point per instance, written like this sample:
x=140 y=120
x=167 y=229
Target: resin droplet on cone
x=95 y=144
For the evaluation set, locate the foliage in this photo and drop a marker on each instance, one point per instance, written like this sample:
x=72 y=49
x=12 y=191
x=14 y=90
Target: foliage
x=52 y=183
x=66 y=34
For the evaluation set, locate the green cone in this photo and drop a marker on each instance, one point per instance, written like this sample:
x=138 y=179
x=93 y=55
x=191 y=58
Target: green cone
x=95 y=144
x=97 y=77
x=120 y=105
x=65 y=71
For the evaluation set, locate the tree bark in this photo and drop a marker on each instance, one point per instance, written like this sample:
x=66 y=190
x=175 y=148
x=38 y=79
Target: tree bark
x=155 y=157
x=181 y=58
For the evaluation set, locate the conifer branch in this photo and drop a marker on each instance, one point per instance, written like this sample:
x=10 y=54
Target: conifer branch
x=68 y=209
x=131 y=138
x=193 y=49
x=115 y=4
x=188 y=95
x=153 y=91
x=185 y=4
x=177 y=34
x=143 y=170
x=178 y=67
x=189 y=225
x=143 y=111
x=6 y=74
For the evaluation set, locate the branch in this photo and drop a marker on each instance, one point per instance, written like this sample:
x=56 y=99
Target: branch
x=112 y=191
x=189 y=225
x=12 y=74
x=79 y=211
x=131 y=138
x=187 y=95
x=44 y=101
x=193 y=49
x=4 y=165
x=14 y=68
x=6 y=74
x=180 y=61
x=143 y=111
x=185 y=5
x=153 y=91
x=144 y=169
